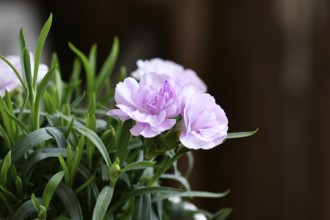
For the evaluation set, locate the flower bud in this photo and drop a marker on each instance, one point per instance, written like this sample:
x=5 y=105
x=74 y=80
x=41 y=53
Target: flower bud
x=115 y=172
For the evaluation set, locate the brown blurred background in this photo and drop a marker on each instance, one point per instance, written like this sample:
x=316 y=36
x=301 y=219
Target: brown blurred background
x=268 y=65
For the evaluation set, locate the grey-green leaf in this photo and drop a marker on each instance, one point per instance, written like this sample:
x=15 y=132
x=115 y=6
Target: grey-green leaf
x=70 y=201
x=102 y=203
x=51 y=187
x=93 y=137
x=243 y=134
x=31 y=140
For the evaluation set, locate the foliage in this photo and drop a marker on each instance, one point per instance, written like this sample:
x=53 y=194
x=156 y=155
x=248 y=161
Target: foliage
x=61 y=157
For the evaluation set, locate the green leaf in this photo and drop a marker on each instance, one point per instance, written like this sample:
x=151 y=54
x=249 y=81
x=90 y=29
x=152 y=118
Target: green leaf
x=40 y=94
x=77 y=156
x=184 y=182
x=40 y=44
x=84 y=185
x=94 y=138
x=5 y=137
x=191 y=194
x=92 y=58
x=122 y=74
x=137 y=211
x=26 y=69
x=58 y=137
x=146 y=207
x=102 y=203
x=168 y=163
x=138 y=165
x=19 y=186
x=9 y=194
x=51 y=187
x=191 y=161
x=69 y=157
x=18 y=122
x=69 y=119
x=70 y=201
x=107 y=67
x=35 y=202
x=78 y=100
x=124 y=137
x=88 y=69
x=234 y=135
x=31 y=140
x=22 y=45
x=65 y=169
x=5 y=201
x=73 y=82
x=7 y=121
x=25 y=210
x=40 y=155
x=137 y=192
x=4 y=169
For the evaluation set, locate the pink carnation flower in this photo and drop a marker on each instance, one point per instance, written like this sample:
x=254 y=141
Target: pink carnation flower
x=181 y=76
x=204 y=124
x=9 y=80
x=151 y=103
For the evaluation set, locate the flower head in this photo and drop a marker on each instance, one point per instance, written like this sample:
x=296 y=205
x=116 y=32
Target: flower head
x=204 y=124
x=181 y=76
x=151 y=103
x=9 y=80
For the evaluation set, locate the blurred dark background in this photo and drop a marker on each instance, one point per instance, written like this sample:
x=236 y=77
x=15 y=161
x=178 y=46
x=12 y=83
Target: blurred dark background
x=266 y=62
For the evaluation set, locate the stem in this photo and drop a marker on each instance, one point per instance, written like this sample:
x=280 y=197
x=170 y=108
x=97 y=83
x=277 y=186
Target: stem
x=182 y=150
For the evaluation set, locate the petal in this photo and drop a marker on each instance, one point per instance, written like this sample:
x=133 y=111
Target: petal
x=124 y=90
x=117 y=113
x=192 y=142
x=143 y=129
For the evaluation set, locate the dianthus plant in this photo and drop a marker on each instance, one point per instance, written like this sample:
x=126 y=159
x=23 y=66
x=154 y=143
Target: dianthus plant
x=109 y=151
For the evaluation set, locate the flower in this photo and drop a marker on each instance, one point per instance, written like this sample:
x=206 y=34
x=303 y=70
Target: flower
x=204 y=124
x=151 y=103
x=9 y=80
x=181 y=76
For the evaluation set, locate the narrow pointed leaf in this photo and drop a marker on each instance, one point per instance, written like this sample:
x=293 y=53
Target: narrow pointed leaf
x=25 y=210
x=102 y=203
x=39 y=155
x=94 y=138
x=234 y=135
x=51 y=188
x=192 y=194
x=88 y=69
x=40 y=44
x=40 y=94
x=31 y=140
x=4 y=169
x=58 y=137
x=107 y=67
x=124 y=138
x=184 y=182
x=70 y=201
x=137 y=192
x=138 y=165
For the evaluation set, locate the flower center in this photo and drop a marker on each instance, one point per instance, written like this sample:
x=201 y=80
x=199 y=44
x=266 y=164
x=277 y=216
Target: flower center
x=162 y=99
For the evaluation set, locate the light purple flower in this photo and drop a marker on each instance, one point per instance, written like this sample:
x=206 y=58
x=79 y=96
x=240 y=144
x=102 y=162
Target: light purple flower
x=204 y=124
x=181 y=76
x=151 y=103
x=9 y=80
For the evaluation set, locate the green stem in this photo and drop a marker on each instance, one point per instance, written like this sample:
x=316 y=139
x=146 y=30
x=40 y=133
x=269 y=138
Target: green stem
x=182 y=150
